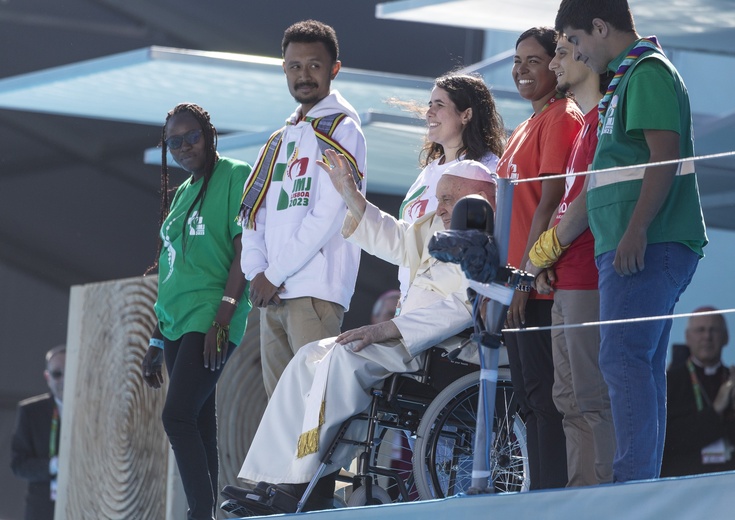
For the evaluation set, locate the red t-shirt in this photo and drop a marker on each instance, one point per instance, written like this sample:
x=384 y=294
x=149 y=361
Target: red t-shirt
x=576 y=269
x=539 y=146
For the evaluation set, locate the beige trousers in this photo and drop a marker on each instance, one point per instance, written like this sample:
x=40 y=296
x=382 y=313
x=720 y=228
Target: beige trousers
x=580 y=393
x=288 y=326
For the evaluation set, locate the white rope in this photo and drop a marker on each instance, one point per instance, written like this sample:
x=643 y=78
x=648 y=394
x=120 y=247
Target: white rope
x=618 y=322
x=621 y=168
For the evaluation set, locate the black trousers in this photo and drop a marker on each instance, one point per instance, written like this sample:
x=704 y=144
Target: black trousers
x=532 y=373
x=190 y=420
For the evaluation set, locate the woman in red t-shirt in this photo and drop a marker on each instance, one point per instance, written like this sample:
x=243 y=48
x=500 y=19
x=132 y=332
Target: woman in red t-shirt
x=538 y=147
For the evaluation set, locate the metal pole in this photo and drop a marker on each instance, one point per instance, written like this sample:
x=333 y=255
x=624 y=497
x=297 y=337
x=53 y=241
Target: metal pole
x=500 y=297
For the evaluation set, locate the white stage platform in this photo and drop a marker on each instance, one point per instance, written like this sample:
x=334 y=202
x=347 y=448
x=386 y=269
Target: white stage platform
x=689 y=498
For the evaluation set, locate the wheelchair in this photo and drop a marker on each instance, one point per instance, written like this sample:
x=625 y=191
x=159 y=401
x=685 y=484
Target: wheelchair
x=432 y=415
x=441 y=413
x=417 y=438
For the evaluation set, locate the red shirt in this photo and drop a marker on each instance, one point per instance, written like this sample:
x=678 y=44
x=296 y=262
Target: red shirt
x=576 y=269
x=540 y=146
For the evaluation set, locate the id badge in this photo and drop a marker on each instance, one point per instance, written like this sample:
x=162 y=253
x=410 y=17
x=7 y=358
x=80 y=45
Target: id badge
x=718 y=452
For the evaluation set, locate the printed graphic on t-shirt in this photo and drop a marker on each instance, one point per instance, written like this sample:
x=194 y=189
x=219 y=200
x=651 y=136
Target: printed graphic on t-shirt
x=513 y=169
x=295 y=169
x=568 y=183
x=414 y=207
x=196 y=224
x=168 y=246
x=610 y=116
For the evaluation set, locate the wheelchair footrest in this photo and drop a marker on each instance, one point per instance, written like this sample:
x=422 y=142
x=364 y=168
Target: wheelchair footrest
x=264 y=499
x=237 y=509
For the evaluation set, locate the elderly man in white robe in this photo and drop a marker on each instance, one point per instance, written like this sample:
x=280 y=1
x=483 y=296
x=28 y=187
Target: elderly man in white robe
x=332 y=379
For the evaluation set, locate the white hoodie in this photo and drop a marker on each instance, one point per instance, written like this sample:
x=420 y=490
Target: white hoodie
x=297 y=240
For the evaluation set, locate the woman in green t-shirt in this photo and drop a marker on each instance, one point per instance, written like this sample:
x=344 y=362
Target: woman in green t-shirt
x=202 y=303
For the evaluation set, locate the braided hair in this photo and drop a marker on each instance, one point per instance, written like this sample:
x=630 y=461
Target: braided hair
x=484 y=132
x=209 y=134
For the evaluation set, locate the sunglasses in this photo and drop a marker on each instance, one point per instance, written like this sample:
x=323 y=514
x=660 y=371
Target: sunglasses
x=56 y=374
x=176 y=141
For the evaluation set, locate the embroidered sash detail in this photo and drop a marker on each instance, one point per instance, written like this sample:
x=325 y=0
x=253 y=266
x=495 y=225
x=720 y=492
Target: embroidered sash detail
x=314 y=406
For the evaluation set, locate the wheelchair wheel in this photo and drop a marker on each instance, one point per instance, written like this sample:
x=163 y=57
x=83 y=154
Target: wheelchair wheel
x=393 y=450
x=442 y=458
x=359 y=497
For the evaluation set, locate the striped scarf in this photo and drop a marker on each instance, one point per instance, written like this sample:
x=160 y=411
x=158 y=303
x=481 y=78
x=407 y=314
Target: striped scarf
x=256 y=187
x=643 y=45
x=259 y=181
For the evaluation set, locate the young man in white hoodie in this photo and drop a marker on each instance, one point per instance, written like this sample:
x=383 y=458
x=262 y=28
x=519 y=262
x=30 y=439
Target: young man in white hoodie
x=302 y=272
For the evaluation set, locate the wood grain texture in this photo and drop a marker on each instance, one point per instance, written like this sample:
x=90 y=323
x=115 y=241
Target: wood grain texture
x=114 y=451
x=113 y=448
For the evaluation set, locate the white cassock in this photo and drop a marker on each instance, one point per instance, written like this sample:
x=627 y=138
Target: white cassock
x=324 y=374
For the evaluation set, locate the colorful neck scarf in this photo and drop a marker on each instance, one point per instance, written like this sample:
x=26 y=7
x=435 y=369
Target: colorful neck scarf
x=259 y=181
x=643 y=45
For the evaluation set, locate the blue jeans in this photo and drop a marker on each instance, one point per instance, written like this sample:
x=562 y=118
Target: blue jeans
x=633 y=355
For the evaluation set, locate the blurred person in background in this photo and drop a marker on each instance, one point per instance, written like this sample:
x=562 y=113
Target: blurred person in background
x=700 y=403
x=35 y=443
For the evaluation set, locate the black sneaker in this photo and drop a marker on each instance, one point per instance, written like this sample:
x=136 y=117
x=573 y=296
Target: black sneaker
x=239 y=509
x=238 y=493
x=264 y=499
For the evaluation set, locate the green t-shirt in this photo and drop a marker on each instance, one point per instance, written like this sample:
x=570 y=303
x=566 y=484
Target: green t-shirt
x=651 y=96
x=193 y=272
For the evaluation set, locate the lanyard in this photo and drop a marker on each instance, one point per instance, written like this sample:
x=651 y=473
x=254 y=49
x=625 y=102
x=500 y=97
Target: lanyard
x=54 y=433
x=551 y=100
x=700 y=397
